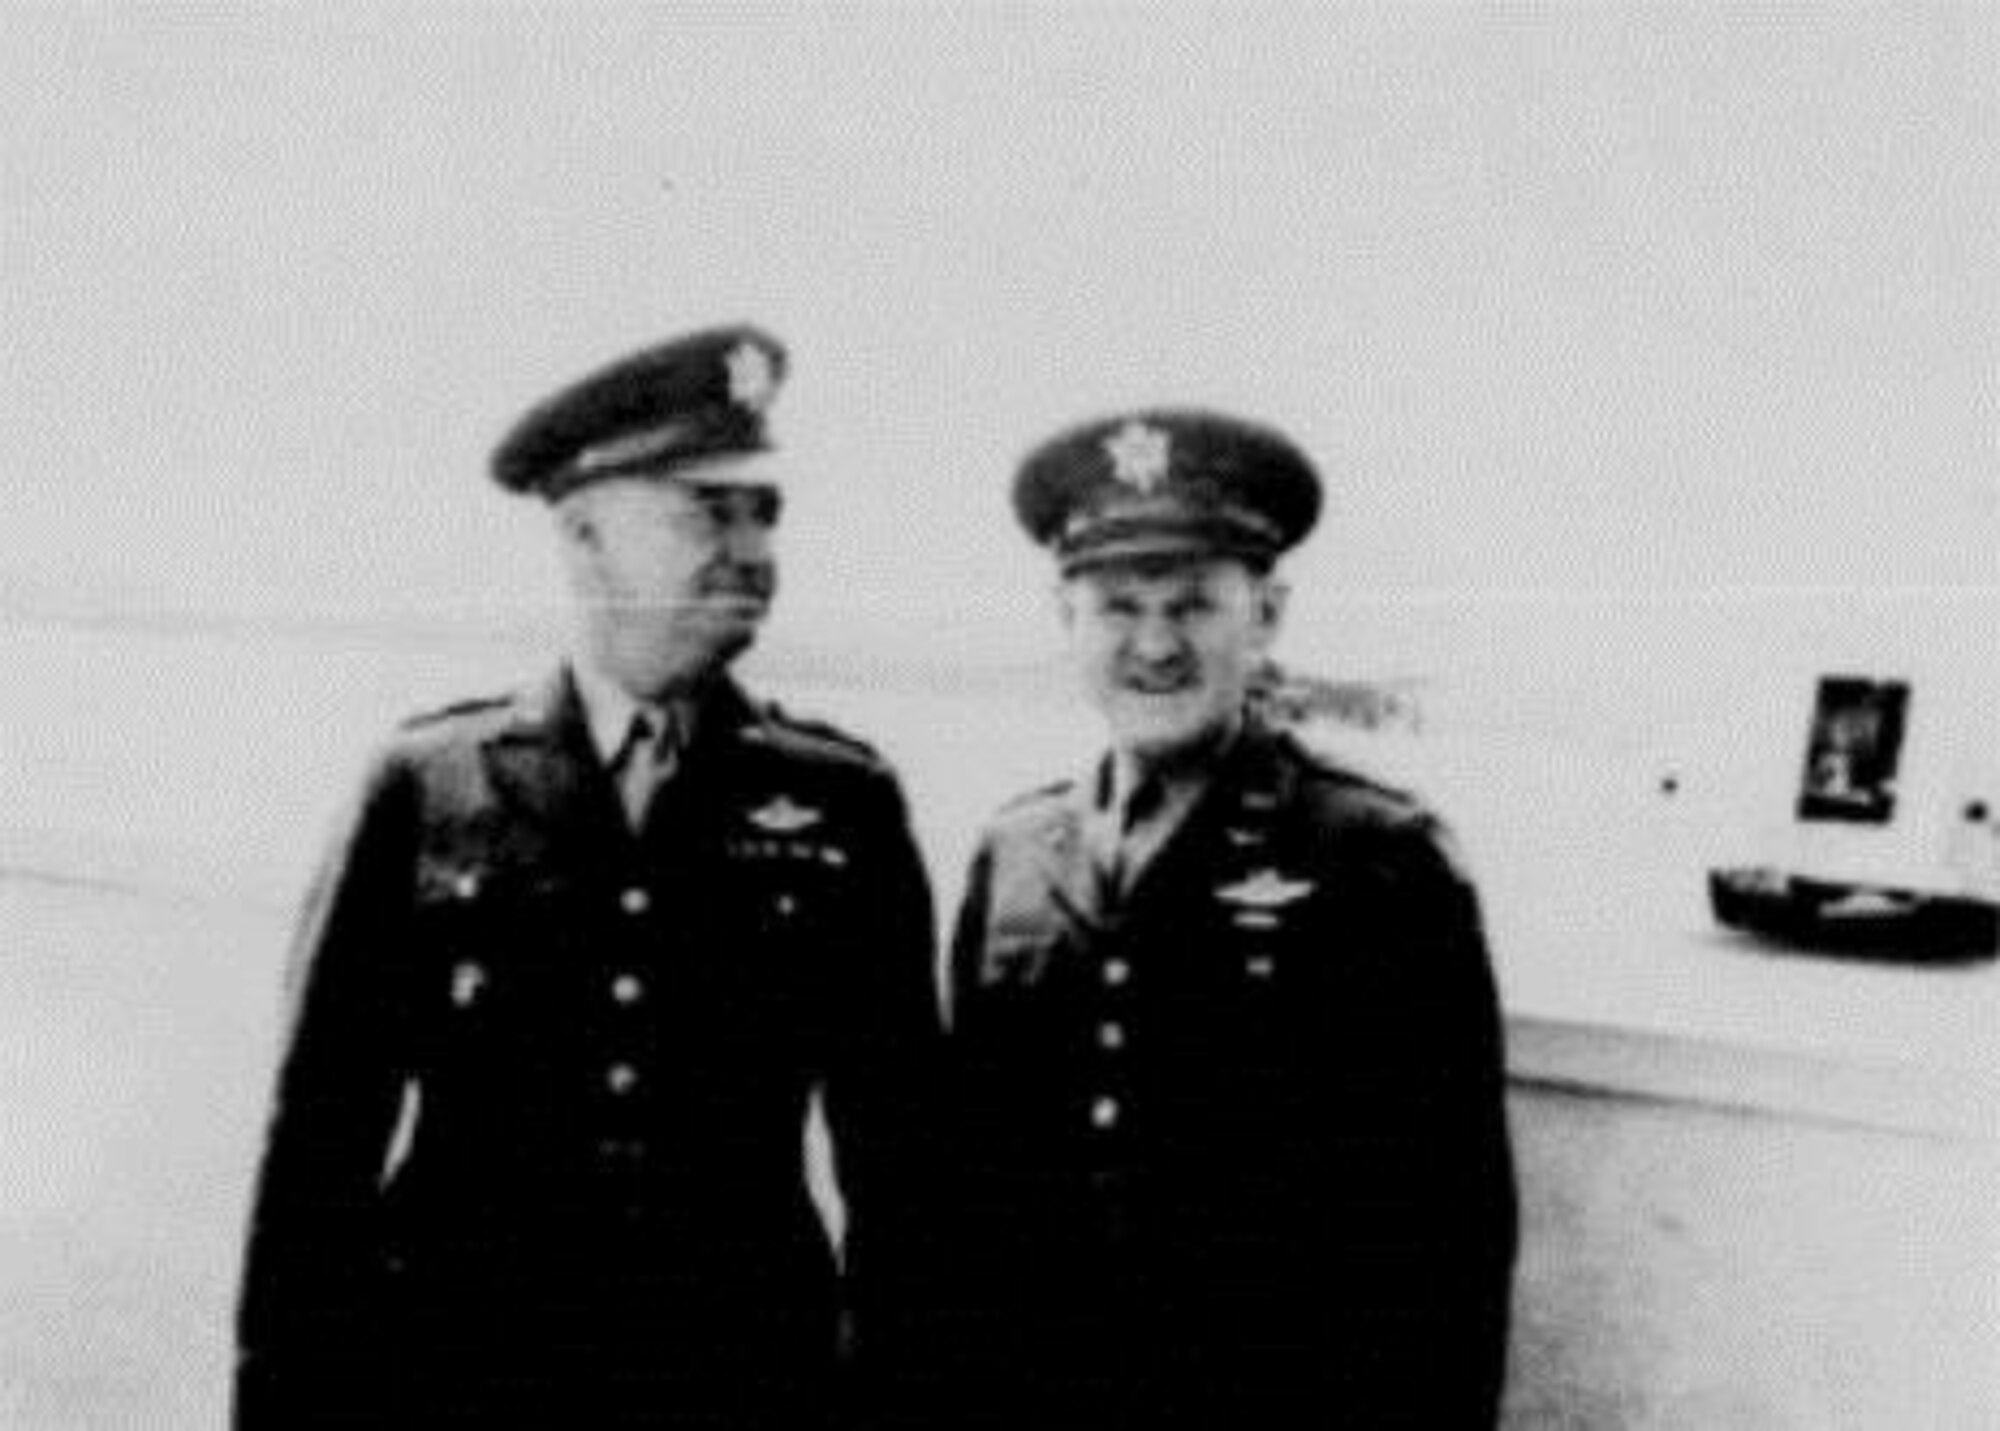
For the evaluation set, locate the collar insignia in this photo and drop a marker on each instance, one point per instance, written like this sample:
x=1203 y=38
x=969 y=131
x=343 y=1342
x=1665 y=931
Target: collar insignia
x=1140 y=455
x=1267 y=889
x=752 y=379
x=784 y=816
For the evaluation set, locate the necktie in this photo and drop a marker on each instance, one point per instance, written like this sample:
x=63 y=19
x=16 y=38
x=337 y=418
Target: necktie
x=1122 y=836
x=645 y=762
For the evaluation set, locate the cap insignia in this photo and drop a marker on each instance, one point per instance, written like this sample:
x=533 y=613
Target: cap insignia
x=1140 y=454
x=752 y=378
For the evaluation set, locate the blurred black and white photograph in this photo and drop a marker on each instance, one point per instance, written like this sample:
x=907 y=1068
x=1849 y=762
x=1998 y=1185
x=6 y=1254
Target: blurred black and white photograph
x=1138 y=715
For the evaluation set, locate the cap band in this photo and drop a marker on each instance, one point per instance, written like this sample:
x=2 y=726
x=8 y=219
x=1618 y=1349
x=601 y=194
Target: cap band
x=632 y=448
x=732 y=469
x=663 y=450
x=1139 y=542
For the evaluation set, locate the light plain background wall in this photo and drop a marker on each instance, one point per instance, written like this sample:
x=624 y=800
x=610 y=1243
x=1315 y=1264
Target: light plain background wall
x=1689 y=1267
x=1618 y=299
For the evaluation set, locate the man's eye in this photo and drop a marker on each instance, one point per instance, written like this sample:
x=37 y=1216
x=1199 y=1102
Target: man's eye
x=755 y=506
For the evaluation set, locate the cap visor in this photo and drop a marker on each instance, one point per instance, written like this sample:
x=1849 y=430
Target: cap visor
x=725 y=469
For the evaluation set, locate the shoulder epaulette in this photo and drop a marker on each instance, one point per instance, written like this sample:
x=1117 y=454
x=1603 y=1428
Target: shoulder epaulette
x=778 y=726
x=1338 y=767
x=1362 y=788
x=1361 y=793
x=471 y=706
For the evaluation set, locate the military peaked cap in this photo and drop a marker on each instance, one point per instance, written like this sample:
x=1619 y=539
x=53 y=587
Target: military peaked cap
x=1167 y=482
x=658 y=411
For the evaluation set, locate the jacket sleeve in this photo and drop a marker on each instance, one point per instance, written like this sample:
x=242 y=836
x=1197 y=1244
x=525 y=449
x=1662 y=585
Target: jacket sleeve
x=314 y=1257
x=1454 y=1285
x=930 y=1369
x=883 y=1110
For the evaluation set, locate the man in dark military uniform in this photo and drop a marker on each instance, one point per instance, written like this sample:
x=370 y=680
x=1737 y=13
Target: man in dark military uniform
x=1225 y=1031
x=572 y=977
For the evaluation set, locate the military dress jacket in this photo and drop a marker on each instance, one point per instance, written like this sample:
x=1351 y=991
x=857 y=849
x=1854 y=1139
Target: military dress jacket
x=537 y=1151
x=1233 y=1148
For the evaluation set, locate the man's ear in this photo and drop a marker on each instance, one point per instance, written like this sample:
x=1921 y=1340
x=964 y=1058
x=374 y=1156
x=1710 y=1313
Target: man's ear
x=576 y=522
x=1272 y=595
x=1063 y=596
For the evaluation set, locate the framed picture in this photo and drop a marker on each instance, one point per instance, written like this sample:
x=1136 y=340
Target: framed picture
x=1853 y=750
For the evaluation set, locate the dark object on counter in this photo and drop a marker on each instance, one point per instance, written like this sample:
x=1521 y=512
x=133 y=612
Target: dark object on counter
x=1865 y=920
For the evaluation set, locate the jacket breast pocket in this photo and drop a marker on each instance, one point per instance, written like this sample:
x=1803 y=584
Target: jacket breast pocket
x=492 y=945
x=1260 y=972
x=785 y=889
x=472 y=901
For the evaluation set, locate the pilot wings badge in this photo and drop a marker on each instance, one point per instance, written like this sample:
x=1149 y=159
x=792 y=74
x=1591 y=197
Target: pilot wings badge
x=1257 y=899
x=784 y=816
x=1265 y=891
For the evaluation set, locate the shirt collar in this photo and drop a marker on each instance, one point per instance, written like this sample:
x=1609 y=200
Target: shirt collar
x=1176 y=784
x=608 y=709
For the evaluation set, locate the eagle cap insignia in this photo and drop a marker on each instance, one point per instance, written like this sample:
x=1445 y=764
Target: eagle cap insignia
x=1140 y=455
x=752 y=377
x=1266 y=889
x=784 y=816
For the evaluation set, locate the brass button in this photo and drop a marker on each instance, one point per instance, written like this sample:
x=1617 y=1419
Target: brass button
x=1104 y=1113
x=1116 y=972
x=1111 y=1036
x=467 y=979
x=635 y=901
x=466 y=885
x=621 y=1078
x=626 y=988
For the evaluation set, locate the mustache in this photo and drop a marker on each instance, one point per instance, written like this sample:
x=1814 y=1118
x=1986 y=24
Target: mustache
x=759 y=581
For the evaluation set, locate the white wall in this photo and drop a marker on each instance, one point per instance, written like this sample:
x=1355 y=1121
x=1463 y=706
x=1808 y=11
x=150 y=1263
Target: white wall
x=1695 y=1268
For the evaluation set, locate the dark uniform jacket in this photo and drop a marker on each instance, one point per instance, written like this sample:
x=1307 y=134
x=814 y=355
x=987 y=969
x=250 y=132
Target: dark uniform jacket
x=537 y=1154
x=1235 y=1153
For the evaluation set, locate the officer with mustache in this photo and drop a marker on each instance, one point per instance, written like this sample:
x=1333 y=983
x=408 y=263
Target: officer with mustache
x=1225 y=1038
x=572 y=977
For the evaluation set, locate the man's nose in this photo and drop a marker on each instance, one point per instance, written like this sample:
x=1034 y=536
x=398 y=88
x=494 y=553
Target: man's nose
x=746 y=539
x=1156 y=638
